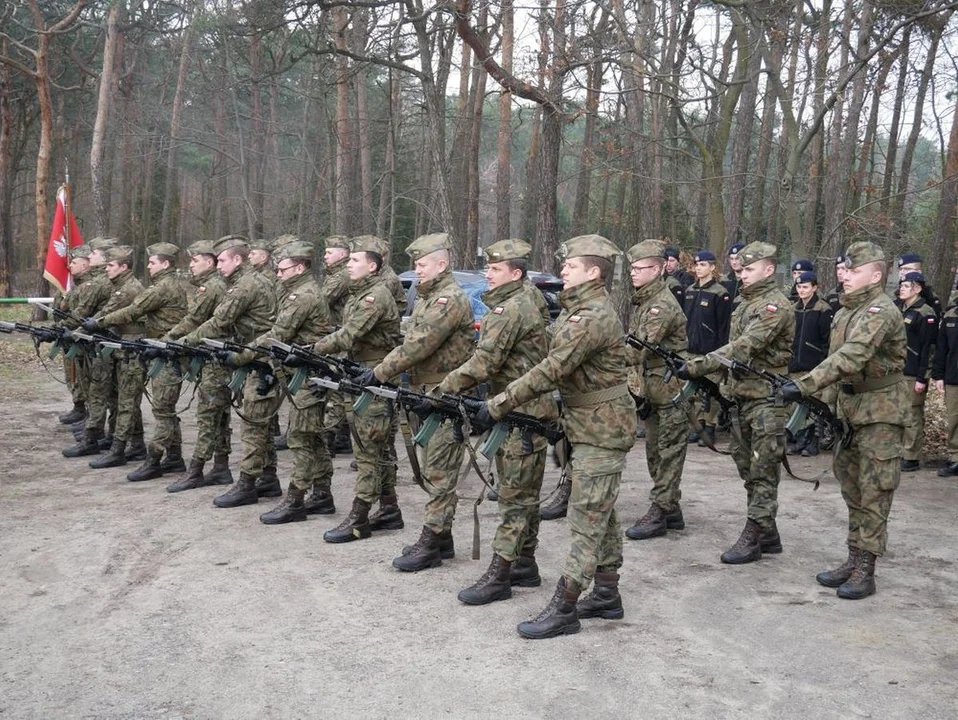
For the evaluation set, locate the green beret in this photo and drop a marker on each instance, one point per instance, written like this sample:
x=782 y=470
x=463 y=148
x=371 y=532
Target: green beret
x=295 y=250
x=282 y=241
x=426 y=244
x=367 y=243
x=592 y=245
x=201 y=247
x=646 y=249
x=511 y=249
x=163 y=248
x=259 y=244
x=337 y=241
x=229 y=242
x=122 y=254
x=753 y=252
x=81 y=251
x=862 y=253
x=101 y=243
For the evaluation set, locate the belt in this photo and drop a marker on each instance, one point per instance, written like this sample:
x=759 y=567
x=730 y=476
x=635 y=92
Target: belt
x=871 y=384
x=596 y=397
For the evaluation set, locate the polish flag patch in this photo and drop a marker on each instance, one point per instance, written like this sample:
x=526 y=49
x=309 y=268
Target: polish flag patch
x=575 y=318
x=442 y=300
x=370 y=299
x=931 y=321
x=654 y=311
x=771 y=308
x=874 y=309
x=497 y=311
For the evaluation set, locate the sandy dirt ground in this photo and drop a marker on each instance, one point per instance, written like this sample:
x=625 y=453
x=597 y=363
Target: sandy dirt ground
x=122 y=601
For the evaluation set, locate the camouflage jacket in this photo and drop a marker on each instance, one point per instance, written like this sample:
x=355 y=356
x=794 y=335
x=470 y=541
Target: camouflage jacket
x=159 y=306
x=867 y=344
x=303 y=316
x=440 y=335
x=268 y=271
x=370 y=327
x=335 y=290
x=246 y=311
x=540 y=301
x=394 y=285
x=124 y=290
x=91 y=297
x=587 y=355
x=762 y=333
x=512 y=340
x=209 y=289
x=659 y=320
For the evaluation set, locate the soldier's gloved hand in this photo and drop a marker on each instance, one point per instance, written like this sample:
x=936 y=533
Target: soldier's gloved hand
x=46 y=335
x=483 y=420
x=151 y=353
x=90 y=325
x=790 y=391
x=683 y=372
x=294 y=361
x=422 y=409
x=367 y=378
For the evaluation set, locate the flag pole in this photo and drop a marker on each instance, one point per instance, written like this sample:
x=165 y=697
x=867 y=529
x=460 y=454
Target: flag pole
x=67 y=207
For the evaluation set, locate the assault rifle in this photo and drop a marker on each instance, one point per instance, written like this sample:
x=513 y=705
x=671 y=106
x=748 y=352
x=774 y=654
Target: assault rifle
x=39 y=334
x=264 y=370
x=65 y=340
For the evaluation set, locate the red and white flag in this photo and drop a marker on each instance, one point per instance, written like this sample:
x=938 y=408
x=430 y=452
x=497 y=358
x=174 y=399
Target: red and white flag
x=65 y=234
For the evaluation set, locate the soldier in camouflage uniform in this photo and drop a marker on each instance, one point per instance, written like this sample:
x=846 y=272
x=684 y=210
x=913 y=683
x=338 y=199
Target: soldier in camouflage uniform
x=512 y=340
x=101 y=391
x=762 y=332
x=439 y=338
x=76 y=369
x=335 y=290
x=213 y=394
x=867 y=356
x=369 y=330
x=588 y=363
x=158 y=308
x=261 y=260
x=658 y=319
x=247 y=311
x=127 y=372
x=921 y=332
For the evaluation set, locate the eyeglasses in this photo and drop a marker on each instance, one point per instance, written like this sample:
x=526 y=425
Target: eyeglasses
x=639 y=268
x=281 y=269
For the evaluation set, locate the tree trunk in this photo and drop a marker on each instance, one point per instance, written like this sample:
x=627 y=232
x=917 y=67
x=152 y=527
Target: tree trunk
x=170 y=195
x=366 y=217
x=504 y=144
x=104 y=103
x=941 y=266
x=7 y=179
x=741 y=150
x=580 y=212
x=470 y=252
x=891 y=154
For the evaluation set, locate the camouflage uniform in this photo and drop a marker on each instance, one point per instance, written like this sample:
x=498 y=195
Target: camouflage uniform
x=335 y=290
x=268 y=272
x=77 y=369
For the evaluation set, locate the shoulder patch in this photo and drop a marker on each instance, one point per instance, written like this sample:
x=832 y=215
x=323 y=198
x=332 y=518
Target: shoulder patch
x=931 y=321
x=292 y=297
x=442 y=300
x=201 y=289
x=574 y=318
x=726 y=298
x=874 y=309
x=370 y=299
x=771 y=308
x=498 y=310
x=230 y=290
x=654 y=311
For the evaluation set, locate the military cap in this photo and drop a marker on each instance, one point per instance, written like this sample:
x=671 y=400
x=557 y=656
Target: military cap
x=367 y=243
x=646 y=249
x=201 y=247
x=509 y=249
x=803 y=266
x=862 y=253
x=164 y=248
x=735 y=249
x=259 y=244
x=671 y=252
x=840 y=260
x=808 y=276
x=755 y=251
x=588 y=245
x=228 y=242
x=337 y=241
x=101 y=243
x=282 y=241
x=81 y=251
x=915 y=277
x=908 y=259
x=426 y=244
x=119 y=253
x=295 y=250
x=705 y=256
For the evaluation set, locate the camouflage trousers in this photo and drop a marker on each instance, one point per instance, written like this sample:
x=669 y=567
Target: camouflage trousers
x=101 y=393
x=520 y=480
x=596 y=534
x=951 y=411
x=376 y=472
x=914 y=434
x=213 y=413
x=667 y=428
x=256 y=431
x=130 y=380
x=165 y=391
x=758 y=445
x=707 y=416
x=441 y=463
x=335 y=414
x=311 y=463
x=78 y=378
x=868 y=471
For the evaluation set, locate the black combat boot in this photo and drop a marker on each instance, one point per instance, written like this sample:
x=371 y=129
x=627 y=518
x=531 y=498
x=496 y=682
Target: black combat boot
x=220 y=474
x=650 y=525
x=811 y=447
x=447 y=546
x=267 y=484
x=422 y=555
x=559 y=505
x=106 y=443
x=835 y=578
x=524 y=571
x=173 y=461
x=75 y=415
x=910 y=465
x=343 y=445
x=748 y=547
x=949 y=470
x=354 y=527
x=243 y=492
x=291 y=509
x=388 y=516
x=491 y=586
x=136 y=449
x=319 y=501
x=149 y=470
x=78 y=427
x=674 y=519
x=193 y=479
x=707 y=436
x=604 y=601
x=861 y=583
x=115 y=457
x=770 y=540
x=693 y=437
x=559 y=617
x=88 y=445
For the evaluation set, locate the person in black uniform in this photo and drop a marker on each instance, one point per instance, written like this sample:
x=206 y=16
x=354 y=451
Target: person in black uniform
x=732 y=281
x=834 y=298
x=945 y=374
x=921 y=330
x=911 y=263
x=798 y=267
x=708 y=308
x=677 y=277
x=813 y=324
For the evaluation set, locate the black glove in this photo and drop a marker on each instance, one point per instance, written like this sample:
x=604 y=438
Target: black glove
x=790 y=392
x=367 y=378
x=482 y=420
x=151 y=353
x=422 y=409
x=682 y=372
x=90 y=325
x=228 y=358
x=46 y=336
x=294 y=361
